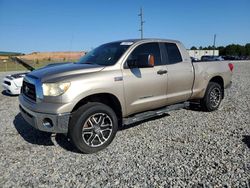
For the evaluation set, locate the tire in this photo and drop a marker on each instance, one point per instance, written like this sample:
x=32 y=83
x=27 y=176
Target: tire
x=93 y=127
x=213 y=96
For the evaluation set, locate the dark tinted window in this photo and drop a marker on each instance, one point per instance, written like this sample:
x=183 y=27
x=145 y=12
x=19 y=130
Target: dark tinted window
x=106 y=54
x=174 y=55
x=148 y=48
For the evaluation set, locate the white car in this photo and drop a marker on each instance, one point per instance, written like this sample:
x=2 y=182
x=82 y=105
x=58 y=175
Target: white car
x=13 y=83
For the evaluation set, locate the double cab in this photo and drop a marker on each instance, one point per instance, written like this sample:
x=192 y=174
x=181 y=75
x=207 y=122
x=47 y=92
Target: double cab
x=116 y=84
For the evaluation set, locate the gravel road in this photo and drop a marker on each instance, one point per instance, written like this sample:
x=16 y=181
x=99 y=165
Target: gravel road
x=186 y=148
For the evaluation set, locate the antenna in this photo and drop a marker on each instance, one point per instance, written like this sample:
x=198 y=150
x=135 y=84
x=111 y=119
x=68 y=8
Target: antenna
x=141 y=22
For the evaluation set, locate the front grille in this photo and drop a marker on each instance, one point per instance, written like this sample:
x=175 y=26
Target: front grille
x=29 y=90
x=7 y=82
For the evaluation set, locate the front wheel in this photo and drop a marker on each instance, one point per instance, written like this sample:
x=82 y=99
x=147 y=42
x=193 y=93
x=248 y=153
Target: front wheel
x=212 y=98
x=93 y=127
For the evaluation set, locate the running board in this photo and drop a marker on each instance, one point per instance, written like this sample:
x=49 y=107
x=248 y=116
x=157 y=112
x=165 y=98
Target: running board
x=153 y=113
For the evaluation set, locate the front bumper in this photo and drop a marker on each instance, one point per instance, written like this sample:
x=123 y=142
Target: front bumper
x=59 y=122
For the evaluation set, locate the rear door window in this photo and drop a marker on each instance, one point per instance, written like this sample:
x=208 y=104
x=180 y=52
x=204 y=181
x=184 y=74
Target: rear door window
x=173 y=53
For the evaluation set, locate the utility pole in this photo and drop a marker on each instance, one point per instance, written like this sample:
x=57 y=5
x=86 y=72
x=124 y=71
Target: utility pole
x=214 y=44
x=141 y=22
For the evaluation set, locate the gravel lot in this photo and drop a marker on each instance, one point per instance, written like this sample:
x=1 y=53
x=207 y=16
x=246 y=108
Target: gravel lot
x=183 y=149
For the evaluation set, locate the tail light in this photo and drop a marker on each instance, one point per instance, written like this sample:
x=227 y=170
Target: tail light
x=231 y=66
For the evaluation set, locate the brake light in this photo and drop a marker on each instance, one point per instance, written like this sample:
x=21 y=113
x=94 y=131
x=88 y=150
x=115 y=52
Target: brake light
x=231 y=66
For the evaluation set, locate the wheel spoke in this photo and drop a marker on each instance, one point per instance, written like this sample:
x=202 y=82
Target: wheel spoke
x=100 y=120
x=101 y=137
x=91 y=139
x=87 y=130
x=106 y=129
x=90 y=122
x=93 y=120
x=105 y=126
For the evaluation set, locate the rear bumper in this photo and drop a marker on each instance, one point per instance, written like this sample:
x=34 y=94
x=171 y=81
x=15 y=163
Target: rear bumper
x=58 y=122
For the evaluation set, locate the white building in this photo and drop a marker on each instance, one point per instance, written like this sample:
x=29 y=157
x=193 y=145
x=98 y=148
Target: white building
x=198 y=53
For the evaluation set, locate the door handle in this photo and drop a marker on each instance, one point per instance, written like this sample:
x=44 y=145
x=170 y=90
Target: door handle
x=162 y=72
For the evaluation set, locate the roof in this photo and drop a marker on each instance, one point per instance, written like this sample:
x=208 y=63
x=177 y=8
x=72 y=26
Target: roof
x=149 y=40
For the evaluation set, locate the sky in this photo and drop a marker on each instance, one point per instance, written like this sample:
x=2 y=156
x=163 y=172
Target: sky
x=77 y=25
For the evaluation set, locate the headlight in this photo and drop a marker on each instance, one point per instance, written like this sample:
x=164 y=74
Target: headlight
x=55 y=89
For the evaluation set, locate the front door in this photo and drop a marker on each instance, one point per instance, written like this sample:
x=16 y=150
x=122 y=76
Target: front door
x=145 y=88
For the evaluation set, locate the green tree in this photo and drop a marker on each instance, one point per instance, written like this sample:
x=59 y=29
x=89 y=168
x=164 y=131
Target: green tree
x=221 y=50
x=247 y=49
x=231 y=50
x=241 y=50
x=193 y=48
x=210 y=47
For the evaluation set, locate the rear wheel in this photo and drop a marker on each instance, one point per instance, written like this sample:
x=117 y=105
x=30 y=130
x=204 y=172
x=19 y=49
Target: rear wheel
x=93 y=127
x=212 y=98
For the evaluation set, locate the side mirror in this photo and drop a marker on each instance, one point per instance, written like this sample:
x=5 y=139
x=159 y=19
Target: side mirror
x=142 y=61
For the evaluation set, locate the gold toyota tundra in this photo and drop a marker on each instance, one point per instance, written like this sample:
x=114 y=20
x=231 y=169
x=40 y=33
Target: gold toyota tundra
x=119 y=83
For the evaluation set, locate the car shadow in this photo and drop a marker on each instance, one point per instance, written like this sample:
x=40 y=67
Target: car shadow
x=30 y=134
x=246 y=140
x=4 y=92
x=124 y=127
x=34 y=136
x=194 y=107
x=64 y=142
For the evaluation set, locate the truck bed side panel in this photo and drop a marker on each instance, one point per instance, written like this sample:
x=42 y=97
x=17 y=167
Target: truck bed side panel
x=205 y=71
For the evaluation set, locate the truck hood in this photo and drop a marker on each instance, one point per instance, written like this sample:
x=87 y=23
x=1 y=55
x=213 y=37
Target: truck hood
x=63 y=71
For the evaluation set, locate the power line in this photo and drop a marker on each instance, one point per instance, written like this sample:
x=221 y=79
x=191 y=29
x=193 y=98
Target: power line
x=141 y=22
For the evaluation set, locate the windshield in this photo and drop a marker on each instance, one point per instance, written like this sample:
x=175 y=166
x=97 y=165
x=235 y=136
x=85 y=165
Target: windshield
x=106 y=54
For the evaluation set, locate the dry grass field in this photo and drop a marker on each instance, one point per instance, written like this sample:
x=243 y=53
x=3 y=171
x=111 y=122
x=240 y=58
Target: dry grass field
x=39 y=59
x=61 y=56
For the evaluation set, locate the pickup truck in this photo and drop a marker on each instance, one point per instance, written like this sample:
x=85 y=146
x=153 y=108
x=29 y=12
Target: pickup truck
x=116 y=84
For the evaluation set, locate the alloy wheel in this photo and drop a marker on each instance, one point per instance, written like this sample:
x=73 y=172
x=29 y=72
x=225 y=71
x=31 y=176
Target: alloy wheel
x=97 y=129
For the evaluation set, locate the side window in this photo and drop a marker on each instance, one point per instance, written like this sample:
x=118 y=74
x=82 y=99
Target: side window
x=174 y=55
x=148 y=48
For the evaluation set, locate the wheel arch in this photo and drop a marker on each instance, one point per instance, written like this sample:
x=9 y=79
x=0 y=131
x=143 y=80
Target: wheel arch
x=106 y=98
x=219 y=80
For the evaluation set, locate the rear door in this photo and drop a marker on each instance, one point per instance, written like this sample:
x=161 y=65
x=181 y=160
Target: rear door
x=180 y=73
x=145 y=88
